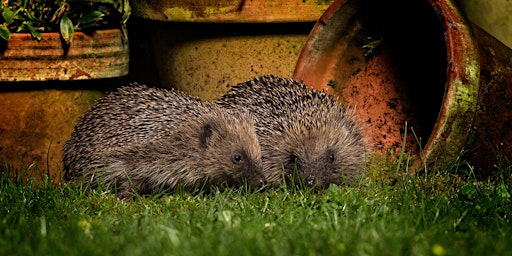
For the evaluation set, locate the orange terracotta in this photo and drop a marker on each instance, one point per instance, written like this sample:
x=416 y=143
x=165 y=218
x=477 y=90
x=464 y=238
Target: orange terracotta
x=415 y=64
x=203 y=47
x=37 y=110
x=35 y=124
x=102 y=54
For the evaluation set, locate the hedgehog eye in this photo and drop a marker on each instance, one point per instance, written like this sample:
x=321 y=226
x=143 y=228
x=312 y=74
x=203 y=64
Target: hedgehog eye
x=331 y=157
x=237 y=159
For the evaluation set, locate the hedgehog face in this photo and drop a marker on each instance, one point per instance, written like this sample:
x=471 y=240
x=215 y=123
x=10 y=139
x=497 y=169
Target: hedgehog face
x=315 y=155
x=247 y=169
x=232 y=153
x=314 y=163
x=302 y=131
x=326 y=160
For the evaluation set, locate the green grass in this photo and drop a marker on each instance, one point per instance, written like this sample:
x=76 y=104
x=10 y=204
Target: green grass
x=388 y=213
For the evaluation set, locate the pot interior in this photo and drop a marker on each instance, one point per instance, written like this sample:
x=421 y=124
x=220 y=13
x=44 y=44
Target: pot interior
x=386 y=59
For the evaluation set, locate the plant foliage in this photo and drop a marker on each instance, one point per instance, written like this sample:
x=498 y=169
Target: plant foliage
x=65 y=16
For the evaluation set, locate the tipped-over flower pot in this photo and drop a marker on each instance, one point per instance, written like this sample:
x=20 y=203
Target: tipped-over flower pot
x=419 y=71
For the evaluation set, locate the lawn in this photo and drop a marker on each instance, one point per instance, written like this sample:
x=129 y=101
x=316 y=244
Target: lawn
x=387 y=213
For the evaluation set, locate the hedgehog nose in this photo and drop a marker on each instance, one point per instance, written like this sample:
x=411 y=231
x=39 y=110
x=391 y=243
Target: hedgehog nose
x=310 y=180
x=262 y=182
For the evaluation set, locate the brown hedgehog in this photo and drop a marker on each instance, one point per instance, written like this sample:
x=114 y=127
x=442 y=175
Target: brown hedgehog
x=149 y=140
x=301 y=130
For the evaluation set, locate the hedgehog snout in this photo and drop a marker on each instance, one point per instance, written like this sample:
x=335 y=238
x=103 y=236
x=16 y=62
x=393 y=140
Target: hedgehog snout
x=262 y=182
x=254 y=176
x=257 y=182
x=310 y=180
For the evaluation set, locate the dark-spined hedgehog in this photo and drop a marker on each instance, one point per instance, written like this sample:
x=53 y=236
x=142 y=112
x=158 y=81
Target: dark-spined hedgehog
x=150 y=140
x=301 y=130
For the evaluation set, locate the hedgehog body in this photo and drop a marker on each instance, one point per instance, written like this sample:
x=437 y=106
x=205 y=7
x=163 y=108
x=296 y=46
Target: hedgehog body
x=301 y=130
x=148 y=140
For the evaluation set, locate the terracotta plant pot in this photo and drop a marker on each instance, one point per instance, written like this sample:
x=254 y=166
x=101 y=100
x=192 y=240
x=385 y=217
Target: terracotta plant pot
x=35 y=123
x=102 y=54
x=493 y=16
x=418 y=63
x=203 y=47
x=37 y=110
x=229 y=10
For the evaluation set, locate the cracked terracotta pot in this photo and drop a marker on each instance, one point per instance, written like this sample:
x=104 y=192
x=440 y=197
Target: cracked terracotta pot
x=418 y=65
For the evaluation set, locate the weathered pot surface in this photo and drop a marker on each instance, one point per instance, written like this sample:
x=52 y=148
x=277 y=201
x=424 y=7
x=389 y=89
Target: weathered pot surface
x=204 y=47
x=37 y=110
x=230 y=10
x=102 y=54
x=35 y=124
x=413 y=63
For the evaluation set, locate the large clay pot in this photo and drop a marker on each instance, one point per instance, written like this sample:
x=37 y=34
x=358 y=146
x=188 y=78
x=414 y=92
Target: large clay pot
x=229 y=11
x=494 y=16
x=45 y=88
x=417 y=65
x=203 y=47
x=101 y=54
x=35 y=123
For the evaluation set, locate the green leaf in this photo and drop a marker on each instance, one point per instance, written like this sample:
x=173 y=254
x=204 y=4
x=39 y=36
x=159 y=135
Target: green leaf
x=126 y=11
x=502 y=190
x=33 y=31
x=29 y=14
x=91 y=17
x=66 y=29
x=8 y=15
x=103 y=8
x=469 y=190
x=4 y=32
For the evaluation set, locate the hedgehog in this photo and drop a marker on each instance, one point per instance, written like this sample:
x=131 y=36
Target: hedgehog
x=148 y=140
x=306 y=136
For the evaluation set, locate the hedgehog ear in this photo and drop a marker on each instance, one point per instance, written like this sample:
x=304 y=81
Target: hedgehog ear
x=206 y=134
